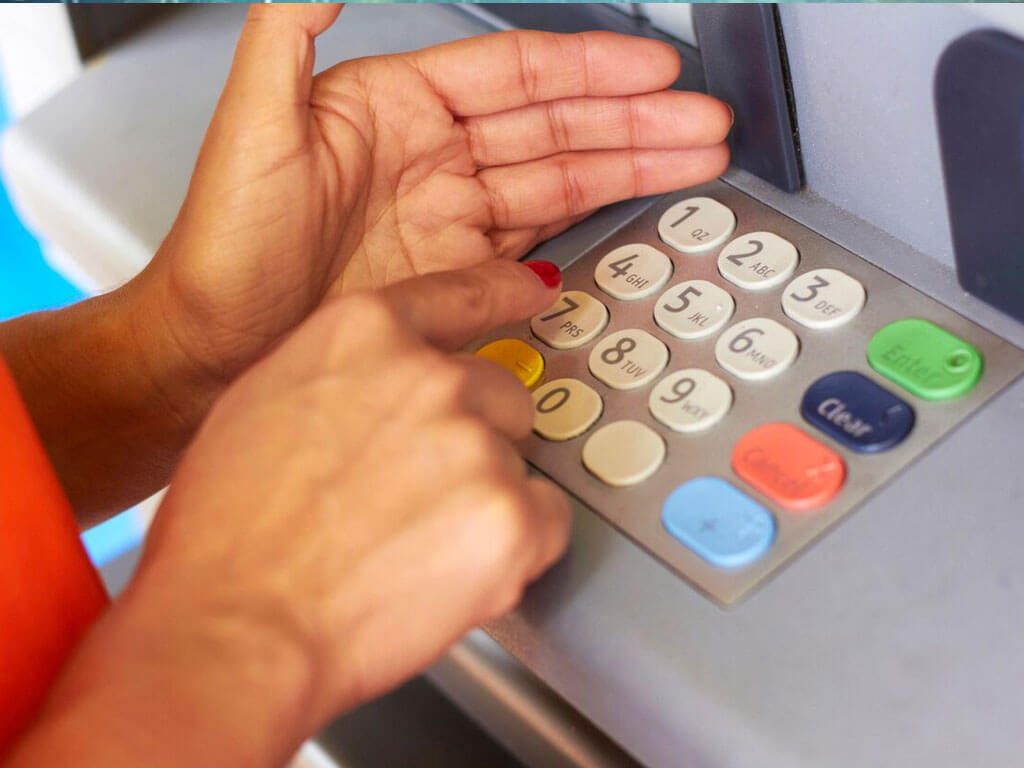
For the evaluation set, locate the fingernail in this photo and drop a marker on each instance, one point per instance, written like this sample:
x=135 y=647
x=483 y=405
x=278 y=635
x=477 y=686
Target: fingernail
x=732 y=116
x=549 y=274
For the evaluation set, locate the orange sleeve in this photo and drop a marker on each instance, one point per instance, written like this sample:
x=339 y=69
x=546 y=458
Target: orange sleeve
x=49 y=591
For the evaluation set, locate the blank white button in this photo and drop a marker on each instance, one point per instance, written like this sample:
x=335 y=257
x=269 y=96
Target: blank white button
x=759 y=348
x=690 y=400
x=624 y=453
x=572 y=321
x=758 y=260
x=823 y=298
x=633 y=271
x=564 y=409
x=693 y=309
x=696 y=224
x=628 y=359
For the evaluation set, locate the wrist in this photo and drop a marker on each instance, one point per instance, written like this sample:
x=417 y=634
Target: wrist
x=157 y=685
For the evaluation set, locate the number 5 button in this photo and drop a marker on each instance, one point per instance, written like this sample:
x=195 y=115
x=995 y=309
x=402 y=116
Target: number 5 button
x=757 y=261
x=575 y=319
x=759 y=348
x=693 y=309
x=823 y=298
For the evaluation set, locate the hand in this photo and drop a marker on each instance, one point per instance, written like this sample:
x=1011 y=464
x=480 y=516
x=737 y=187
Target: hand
x=352 y=505
x=382 y=168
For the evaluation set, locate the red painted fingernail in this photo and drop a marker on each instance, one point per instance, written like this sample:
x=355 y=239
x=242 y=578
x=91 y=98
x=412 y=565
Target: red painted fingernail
x=549 y=274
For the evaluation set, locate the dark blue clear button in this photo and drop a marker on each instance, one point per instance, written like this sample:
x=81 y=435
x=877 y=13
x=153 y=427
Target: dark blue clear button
x=858 y=413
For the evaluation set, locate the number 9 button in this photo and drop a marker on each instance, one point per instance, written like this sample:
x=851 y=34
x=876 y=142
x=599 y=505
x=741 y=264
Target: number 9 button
x=628 y=359
x=823 y=298
x=633 y=271
x=690 y=400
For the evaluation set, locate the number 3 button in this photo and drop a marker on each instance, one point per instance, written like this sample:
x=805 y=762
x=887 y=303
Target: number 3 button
x=628 y=359
x=759 y=348
x=823 y=298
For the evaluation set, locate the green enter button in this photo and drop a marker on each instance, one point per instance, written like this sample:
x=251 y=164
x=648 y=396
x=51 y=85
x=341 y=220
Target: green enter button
x=925 y=359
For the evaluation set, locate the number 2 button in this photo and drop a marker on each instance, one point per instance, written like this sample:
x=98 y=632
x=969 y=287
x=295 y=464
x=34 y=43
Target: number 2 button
x=757 y=261
x=633 y=271
x=575 y=319
x=628 y=359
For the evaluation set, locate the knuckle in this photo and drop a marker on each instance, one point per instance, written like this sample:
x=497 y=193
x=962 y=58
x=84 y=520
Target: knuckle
x=369 y=310
x=447 y=383
x=475 y=444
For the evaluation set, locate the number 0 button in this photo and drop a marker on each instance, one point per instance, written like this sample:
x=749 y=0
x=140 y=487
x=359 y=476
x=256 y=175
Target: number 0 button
x=564 y=409
x=757 y=349
x=633 y=271
x=693 y=309
x=575 y=319
x=823 y=298
x=696 y=224
x=628 y=359
x=757 y=261
x=624 y=453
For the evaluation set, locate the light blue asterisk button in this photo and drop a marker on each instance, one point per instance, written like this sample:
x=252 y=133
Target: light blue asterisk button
x=721 y=524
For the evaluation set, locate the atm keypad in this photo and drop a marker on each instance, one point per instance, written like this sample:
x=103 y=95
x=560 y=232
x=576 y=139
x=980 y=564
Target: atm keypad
x=726 y=420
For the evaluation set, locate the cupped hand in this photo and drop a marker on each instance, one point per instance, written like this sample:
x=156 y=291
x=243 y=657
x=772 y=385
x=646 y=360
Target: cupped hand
x=382 y=168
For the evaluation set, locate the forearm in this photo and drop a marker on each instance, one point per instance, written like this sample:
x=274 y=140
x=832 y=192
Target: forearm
x=147 y=689
x=111 y=394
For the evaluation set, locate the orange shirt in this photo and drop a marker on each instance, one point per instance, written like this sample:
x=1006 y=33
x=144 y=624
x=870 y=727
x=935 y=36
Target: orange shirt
x=49 y=591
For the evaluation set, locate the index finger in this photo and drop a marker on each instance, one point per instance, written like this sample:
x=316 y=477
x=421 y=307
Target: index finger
x=492 y=73
x=450 y=309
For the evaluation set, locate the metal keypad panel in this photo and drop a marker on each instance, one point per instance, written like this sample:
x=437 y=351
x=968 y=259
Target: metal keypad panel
x=761 y=405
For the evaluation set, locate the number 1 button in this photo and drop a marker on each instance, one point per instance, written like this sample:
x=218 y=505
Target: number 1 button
x=575 y=319
x=696 y=224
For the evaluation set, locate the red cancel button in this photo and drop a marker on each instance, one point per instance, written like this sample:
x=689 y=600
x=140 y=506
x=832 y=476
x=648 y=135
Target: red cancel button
x=788 y=466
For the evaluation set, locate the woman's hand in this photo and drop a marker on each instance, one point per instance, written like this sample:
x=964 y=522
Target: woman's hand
x=383 y=168
x=352 y=505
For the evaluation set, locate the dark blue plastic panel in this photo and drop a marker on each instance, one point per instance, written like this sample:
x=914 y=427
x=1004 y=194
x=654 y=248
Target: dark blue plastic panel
x=979 y=101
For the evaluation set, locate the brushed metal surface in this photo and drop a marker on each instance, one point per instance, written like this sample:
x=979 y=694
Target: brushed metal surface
x=636 y=510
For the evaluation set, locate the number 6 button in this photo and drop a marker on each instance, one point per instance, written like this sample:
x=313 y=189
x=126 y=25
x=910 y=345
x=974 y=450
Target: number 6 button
x=823 y=298
x=759 y=348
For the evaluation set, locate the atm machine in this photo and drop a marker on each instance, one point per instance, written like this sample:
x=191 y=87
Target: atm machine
x=787 y=403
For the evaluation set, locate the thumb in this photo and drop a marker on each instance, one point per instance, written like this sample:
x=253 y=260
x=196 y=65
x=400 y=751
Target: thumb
x=272 y=71
x=450 y=309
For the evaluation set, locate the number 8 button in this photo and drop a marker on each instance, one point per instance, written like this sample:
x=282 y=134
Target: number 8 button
x=628 y=359
x=823 y=298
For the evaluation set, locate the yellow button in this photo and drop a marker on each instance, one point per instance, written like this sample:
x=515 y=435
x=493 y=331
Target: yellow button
x=517 y=356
